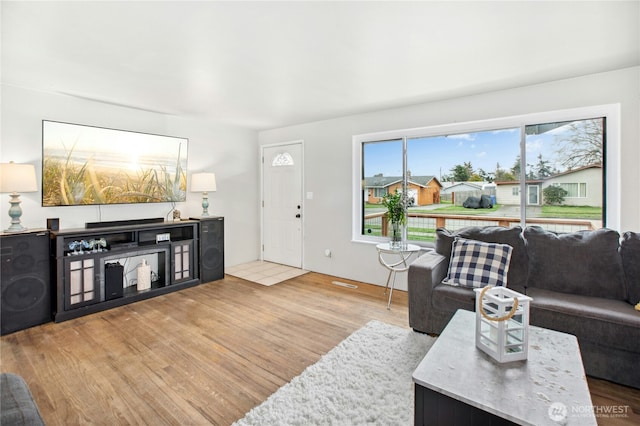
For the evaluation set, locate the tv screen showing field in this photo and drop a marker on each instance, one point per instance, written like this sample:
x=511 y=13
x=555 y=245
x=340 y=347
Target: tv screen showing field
x=86 y=165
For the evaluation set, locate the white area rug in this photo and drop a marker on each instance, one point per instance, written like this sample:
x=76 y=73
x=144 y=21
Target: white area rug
x=366 y=379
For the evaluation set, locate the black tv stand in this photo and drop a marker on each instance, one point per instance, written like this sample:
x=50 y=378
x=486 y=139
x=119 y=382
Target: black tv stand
x=171 y=248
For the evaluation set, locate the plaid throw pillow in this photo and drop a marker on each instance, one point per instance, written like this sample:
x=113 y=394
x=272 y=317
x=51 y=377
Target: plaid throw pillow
x=477 y=264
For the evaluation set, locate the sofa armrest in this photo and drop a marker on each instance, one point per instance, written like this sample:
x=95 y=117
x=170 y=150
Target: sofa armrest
x=430 y=268
x=426 y=272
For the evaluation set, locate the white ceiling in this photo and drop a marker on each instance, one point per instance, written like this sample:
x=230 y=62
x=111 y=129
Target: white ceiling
x=270 y=64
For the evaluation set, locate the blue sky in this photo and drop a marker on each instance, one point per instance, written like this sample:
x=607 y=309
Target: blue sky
x=438 y=155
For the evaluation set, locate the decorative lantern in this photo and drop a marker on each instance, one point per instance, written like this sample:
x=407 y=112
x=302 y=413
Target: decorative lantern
x=502 y=323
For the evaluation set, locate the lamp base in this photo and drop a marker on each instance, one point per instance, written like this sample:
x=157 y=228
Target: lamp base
x=16 y=228
x=15 y=211
x=205 y=204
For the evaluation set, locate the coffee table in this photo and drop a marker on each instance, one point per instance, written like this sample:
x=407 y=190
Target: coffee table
x=456 y=383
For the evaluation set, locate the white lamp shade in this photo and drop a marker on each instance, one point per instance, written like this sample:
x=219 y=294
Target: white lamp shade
x=203 y=182
x=18 y=177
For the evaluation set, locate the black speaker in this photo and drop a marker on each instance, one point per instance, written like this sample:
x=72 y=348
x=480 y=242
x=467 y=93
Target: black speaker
x=113 y=278
x=25 y=298
x=53 y=224
x=211 y=235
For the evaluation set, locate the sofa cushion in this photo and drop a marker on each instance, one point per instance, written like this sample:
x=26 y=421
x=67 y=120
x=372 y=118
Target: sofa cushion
x=518 y=269
x=444 y=242
x=630 y=253
x=447 y=298
x=477 y=264
x=584 y=263
x=607 y=322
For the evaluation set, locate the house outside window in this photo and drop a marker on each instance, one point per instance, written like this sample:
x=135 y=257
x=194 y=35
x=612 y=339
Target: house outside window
x=380 y=192
x=574 y=190
x=443 y=166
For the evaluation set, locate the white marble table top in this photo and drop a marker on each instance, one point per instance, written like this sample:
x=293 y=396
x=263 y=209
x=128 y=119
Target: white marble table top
x=407 y=248
x=549 y=388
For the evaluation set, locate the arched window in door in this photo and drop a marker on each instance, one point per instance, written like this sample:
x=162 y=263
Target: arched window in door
x=282 y=159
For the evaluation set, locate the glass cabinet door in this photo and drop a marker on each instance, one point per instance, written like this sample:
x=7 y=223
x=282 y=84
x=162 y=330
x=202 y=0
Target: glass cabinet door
x=182 y=261
x=82 y=288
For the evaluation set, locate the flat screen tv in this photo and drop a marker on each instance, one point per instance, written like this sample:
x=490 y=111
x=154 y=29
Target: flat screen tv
x=88 y=165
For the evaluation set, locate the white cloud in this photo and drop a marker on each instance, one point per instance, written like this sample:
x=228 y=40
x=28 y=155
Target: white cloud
x=535 y=145
x=464 y=136
x=514 y=130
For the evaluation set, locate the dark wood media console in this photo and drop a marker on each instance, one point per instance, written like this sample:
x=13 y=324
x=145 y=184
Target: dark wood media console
x=80 y=263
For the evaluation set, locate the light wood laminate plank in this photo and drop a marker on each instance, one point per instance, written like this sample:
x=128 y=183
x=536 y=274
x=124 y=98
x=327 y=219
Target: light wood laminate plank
x=203 y=355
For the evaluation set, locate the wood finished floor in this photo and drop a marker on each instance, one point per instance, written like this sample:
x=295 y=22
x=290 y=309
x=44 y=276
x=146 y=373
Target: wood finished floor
x=207 y=354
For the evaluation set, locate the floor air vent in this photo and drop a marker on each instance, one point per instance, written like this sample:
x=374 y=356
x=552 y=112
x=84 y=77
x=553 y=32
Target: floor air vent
x=341 y=284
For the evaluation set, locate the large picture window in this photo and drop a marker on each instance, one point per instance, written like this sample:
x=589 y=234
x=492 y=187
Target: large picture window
x=543 y=169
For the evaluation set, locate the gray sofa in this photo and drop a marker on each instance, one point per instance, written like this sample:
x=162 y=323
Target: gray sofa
x=584 y=283
x=17 y=405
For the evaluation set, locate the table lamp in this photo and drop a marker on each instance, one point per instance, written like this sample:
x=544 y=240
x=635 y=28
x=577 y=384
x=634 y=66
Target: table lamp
x=203 y=182
x=15 y=178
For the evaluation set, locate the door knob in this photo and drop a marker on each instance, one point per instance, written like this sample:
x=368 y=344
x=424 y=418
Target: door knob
x=298 y=215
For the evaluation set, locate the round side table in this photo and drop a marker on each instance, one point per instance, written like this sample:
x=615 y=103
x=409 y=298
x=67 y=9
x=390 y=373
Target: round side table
x=395 y=261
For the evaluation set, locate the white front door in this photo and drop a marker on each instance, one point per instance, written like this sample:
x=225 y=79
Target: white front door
x=533 y=198
x=413 y=194
x=282 y=204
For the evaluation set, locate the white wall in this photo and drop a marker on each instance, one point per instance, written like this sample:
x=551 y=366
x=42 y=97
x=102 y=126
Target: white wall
x=328 y=157
x=504 y=194
x=230 y=152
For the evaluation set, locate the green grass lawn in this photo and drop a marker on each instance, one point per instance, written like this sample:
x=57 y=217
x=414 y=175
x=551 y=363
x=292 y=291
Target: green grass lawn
x=572 y=212
x=413 y=233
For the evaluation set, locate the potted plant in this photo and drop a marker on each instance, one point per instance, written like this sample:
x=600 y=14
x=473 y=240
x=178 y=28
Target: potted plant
x=396 y=205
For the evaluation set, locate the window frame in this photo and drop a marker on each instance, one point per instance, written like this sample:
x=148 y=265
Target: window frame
x=611 y=156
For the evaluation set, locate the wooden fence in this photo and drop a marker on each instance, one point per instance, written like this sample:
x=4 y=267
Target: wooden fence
x=430 y=221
